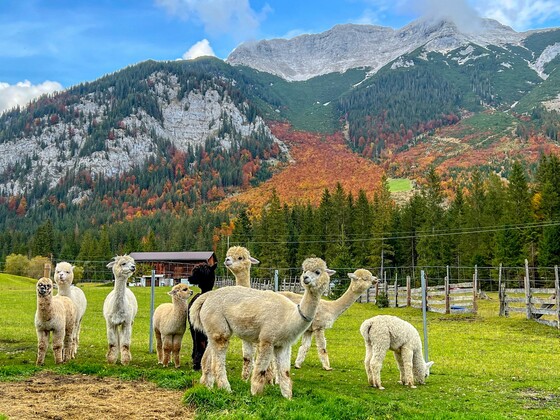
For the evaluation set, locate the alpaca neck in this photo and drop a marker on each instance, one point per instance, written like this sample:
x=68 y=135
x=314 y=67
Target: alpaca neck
x=309 y=304
x=206 y=287
x=180 y=306
x=120 y=288
x=243 y=278
x=64 y=288
x=341 y=304
x=44 y=307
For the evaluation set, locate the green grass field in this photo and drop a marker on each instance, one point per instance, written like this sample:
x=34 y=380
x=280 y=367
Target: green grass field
x=399 y=184
x=486 y=367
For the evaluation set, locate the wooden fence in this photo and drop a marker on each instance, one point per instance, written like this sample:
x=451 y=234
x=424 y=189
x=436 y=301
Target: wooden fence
x=446 y=299
x=539 y=304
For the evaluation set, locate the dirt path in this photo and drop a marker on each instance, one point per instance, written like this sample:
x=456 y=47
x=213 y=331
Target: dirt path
x=57 y=397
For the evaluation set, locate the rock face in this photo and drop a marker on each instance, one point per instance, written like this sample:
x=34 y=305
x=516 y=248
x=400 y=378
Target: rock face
x=50 y=153
x=352 y=46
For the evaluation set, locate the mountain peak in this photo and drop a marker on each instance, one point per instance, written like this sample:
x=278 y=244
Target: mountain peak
x=349 y=46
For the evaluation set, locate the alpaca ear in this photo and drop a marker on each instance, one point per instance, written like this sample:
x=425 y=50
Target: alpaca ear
x=171 y=292
x=254 y=260
x=352 y=276
x=213 y=267
x=429 y=365
x=329 y=271
x=111 y=264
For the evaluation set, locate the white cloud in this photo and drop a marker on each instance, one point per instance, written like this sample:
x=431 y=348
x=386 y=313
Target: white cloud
x=234 y=17
x=520 y=14
x=24 y=92
x=200 y=49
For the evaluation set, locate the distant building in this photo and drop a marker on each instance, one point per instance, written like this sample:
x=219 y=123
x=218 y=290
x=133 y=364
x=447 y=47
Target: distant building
x=171 y=267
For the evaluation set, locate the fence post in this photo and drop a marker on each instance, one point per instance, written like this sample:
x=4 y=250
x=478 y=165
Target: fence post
x=447 y=299
x=475 y=290
x=527 y=291
x=396 y=292
x=153 y=286
x=47 y=270
x=408 y=291
x=501 y=293
x=424 y=308
x=557 y=285
x=276 y=280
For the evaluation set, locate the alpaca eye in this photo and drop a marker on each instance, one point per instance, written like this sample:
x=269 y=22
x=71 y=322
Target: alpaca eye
x=239 y=258
x=317 y=272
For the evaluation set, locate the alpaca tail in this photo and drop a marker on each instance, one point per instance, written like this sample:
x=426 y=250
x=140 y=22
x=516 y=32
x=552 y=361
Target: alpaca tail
x=365 y=331
x=194 y=312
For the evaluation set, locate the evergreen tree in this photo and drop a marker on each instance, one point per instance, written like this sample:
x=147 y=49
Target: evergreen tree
x=42 y=242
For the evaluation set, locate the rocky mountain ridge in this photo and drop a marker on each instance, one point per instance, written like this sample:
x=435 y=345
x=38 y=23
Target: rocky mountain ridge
x=352 y=46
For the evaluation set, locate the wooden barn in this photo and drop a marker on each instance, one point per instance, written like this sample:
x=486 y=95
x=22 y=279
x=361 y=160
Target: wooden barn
x=173 y=265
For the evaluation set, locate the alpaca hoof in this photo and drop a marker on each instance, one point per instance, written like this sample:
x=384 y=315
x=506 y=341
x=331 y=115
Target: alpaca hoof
x=327 y=368
x=412 y=386
x=196 y=367
x=297 y=366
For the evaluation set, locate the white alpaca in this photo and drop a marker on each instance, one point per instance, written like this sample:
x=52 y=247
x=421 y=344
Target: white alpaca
x=257 y=316
x=170 y=324
x=56 y=314
x=238 y=261
x=64 y=276
x=384 y=332
x=119 y=309
x=328 y=313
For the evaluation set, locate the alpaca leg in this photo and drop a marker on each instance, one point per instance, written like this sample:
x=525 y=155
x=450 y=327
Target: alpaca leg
x=159 y=347
x=248 y=352
x=76 y=335
x=167 y=348
x=177 y=339
x=68 y=346
x=219 y=363
x=262 y=364
x=283 y=356
x=125 y=339
x=304 y=348
x=207 y=367
x=321 y=343
x=376 y=363
x=200 y=342
x=58 y=346
x=42 y=345
x=113 y=340
x=367 y=364
x=399 y=359
x=406 y=355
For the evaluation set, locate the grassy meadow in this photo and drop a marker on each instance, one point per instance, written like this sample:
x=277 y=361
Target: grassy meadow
x=486 y=367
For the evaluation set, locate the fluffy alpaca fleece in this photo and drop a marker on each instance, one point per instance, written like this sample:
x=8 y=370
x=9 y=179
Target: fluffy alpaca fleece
x=328 y=313
x=56 y=314
x=119 y=309
x=204 y=276
x=257 y=316
x=238 y=261
x=170 y=323
x=64 y=276
x=384 y=332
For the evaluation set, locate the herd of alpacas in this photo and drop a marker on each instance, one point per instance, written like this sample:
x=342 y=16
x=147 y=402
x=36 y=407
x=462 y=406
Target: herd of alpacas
x=214 y=316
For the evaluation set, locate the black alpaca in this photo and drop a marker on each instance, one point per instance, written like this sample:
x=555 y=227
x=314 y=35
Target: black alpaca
x=203 y=275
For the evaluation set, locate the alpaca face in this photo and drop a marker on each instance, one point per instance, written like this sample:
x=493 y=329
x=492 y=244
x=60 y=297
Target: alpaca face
x=238 y=259
x=64 y=273
x=180 y=291
x=361 y=280
x=123 y=266
x=44 y=286
x=203 y=274
x=315 y=274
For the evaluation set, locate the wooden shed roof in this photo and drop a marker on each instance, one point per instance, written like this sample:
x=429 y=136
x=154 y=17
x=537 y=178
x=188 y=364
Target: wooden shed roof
x=190 y=256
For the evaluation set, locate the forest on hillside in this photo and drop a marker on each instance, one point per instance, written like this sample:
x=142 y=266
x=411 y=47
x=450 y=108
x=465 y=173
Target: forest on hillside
x=486 y=221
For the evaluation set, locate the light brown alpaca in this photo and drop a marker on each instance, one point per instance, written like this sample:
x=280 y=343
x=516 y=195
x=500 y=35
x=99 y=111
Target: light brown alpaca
x=238 y=261
x=170 y=324
x=56 y=314
x=328 y=313
x=257 y=316
x=119 y=309
x=64 y=276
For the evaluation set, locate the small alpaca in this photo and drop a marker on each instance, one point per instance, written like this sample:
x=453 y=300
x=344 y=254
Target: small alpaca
x=170 y=323
x=56 y=314
x=238 y=261
x=328 y=313
x=203 y=275
x=119 y=309
x=257 y=316
x=384 y=332
x=64 y=276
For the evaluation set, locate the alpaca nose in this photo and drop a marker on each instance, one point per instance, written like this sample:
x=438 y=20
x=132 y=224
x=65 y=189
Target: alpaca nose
x=133 y=268
x=306 y=279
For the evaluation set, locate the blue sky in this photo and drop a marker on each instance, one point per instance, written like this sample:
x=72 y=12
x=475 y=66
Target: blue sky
x=48 y=45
